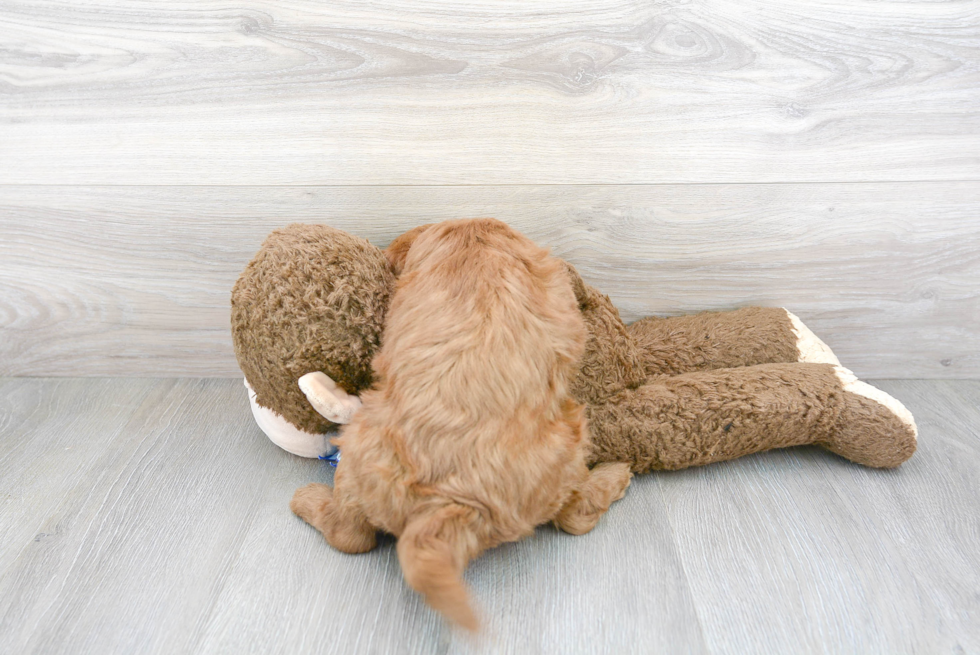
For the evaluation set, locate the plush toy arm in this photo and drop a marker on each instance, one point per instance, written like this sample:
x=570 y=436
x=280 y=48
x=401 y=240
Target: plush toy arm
x=329 y=400
x=612 y=360
x=712 y=340
x=710 y=416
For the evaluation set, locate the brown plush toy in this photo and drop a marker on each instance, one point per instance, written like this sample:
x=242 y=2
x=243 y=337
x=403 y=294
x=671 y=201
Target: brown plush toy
x=662 y=393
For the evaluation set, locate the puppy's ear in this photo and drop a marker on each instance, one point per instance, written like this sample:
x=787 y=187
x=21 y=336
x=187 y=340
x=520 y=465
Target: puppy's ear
x=397 y=252
x=578 y=284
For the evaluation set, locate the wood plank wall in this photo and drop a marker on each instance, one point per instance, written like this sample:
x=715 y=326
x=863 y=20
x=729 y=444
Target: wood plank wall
x=684 y=154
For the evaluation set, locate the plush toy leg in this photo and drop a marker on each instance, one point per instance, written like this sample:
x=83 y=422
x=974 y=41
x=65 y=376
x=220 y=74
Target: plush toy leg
x=711 y=340
x=710 y=416
x=344 y=525
x=286 y=435
x=877 y=431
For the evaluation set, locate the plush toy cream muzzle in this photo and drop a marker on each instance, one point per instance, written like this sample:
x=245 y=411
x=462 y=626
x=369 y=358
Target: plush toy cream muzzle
x=662 y=393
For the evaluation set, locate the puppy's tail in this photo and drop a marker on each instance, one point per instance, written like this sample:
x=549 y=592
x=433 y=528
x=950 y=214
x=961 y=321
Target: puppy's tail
x=433 y=551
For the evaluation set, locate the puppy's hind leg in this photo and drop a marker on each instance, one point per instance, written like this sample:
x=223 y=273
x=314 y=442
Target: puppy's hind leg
x=605 y=485
x=344 y=525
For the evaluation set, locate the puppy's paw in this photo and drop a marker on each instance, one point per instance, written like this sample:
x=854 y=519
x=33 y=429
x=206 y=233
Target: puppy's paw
x=605 y=485
x=328 y=399
x=311 y=503
x=614 y=478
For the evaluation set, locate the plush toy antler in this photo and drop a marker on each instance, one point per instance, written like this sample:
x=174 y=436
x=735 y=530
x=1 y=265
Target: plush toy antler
x=308 y=314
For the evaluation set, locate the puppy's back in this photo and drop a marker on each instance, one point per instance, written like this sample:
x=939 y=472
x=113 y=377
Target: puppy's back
x=483 y=329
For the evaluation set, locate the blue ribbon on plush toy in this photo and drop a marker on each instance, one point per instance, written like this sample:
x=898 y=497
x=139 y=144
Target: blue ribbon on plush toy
x=332 y=458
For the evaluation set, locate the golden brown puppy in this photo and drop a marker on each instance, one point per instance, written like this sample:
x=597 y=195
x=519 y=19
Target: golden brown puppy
x=468 y=438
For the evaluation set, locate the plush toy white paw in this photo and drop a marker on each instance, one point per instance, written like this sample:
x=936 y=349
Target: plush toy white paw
x=811 y=348
x=329 y=400
x=852 y=384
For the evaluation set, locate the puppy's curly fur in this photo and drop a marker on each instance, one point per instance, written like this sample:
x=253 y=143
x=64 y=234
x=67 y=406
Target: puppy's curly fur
x=469 y=437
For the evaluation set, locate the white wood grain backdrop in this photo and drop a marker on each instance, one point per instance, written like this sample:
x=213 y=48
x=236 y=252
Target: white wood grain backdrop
x=136 y=281
x=685 y=154
x=488 y=92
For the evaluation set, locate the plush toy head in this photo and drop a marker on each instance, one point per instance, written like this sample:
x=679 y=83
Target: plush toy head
x=314 y=298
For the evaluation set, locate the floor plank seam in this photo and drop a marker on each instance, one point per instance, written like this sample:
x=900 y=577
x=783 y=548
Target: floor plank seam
x=683 y=563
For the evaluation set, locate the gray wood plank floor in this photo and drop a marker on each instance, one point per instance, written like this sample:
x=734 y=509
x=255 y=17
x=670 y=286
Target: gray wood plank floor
x=150 y=516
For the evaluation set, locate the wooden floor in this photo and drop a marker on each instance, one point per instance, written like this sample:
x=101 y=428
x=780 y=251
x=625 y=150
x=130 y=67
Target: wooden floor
x=150 y=516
